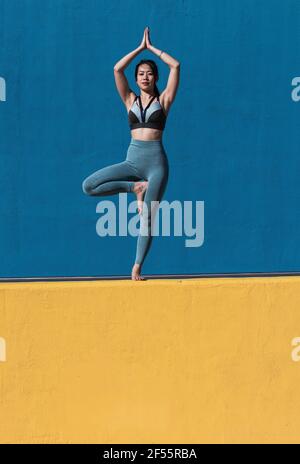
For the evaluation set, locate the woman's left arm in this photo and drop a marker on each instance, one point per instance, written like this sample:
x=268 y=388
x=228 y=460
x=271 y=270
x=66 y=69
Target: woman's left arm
x=165 y=57
x=173 y=81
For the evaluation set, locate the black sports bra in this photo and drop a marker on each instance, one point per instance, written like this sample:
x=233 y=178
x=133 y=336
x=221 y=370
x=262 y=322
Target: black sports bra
x=152 y=116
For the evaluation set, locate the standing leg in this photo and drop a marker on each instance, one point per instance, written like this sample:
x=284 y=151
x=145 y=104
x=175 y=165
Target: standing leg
x=157 y=183
x=111 y=179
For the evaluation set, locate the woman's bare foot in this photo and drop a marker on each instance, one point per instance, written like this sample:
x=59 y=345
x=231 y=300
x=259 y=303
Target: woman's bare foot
x=135 y=274
x=139 y=189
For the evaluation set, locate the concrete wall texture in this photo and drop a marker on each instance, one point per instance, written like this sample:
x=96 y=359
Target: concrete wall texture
x=162 y=361
x=232 y=133
x=181 y=361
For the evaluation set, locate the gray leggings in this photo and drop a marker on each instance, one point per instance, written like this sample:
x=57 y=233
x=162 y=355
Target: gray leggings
x=145 y=160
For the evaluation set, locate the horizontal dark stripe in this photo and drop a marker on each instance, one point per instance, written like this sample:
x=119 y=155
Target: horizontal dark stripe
x=152 y=276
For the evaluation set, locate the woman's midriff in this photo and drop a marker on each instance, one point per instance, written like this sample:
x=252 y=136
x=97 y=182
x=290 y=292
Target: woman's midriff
x=143 y=133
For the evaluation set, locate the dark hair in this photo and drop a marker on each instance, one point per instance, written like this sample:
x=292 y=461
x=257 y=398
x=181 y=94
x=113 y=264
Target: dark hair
x=154 y=68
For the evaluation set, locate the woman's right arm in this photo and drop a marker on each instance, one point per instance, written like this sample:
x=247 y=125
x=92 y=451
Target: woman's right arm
x=124 y=62
x=120 y=78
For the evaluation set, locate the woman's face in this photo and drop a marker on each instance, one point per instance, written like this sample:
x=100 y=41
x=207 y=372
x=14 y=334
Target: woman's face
x=145 y=77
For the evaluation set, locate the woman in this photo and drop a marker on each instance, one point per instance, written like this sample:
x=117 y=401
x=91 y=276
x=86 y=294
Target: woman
x=145 y=170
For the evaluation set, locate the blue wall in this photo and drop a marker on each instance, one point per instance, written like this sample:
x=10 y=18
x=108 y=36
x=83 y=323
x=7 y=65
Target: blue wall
x=232 y=135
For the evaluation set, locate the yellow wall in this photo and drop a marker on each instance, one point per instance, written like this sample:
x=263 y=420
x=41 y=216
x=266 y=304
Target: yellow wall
x=160 y=361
